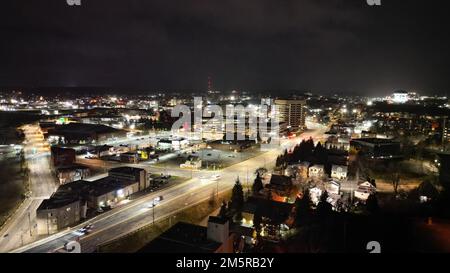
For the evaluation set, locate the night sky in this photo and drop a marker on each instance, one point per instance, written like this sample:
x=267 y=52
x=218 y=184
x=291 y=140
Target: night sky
x=324 y=46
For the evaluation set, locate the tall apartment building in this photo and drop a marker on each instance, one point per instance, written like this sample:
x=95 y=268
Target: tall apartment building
x=292 y=112
x=446 y=130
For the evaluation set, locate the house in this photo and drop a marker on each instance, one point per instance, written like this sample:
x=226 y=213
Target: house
x=339 y=172
x=315 y=194
x=316 y=171
x=272 y=216
x=364 y=190
x=281 y=184
x=189 y=238
x=303 y=169
x=333 y=187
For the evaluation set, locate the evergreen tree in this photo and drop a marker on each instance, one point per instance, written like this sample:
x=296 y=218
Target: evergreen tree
x=257 y=185
x=324 y=208
x=372 y=204
x=237 y=197
x=303 y=208
x=223 y=210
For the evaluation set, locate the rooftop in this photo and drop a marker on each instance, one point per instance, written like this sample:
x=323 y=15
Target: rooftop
x=125 y=170
x=182 y=238
x=85 y=128
x=375 y=140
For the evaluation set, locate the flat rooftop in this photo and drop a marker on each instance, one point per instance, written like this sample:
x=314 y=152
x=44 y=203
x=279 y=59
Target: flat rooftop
x=84 y=128
x=375 y=140
x=125 y=170
x=182 y=238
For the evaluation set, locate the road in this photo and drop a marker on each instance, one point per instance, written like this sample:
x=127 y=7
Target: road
x=136 y=214
x=21 y=228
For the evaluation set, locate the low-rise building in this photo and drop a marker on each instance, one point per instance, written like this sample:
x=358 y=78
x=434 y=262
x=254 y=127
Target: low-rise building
x=192 y=162
x=72 y=173
x=175 y=144
x=339 y=172
x=71 y=202
x=109 y=191
x=189 y=238
x=129 y=157
x=333 y=187
x=316 y=171
x=364 y=190
x=131 y=174
x=377 y=148
x=280 y=184
x=62 y=156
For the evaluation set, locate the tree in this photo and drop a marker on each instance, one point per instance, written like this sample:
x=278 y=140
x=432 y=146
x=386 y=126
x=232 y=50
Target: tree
x=257 y=185
x=372 y=204
x=395 y=180
x=324 y=208
x=237 y=197
x=303 y=208
x=223 y=210
x=261 y=171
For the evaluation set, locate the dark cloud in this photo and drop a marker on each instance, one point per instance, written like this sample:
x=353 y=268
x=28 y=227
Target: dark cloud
x=321 y=45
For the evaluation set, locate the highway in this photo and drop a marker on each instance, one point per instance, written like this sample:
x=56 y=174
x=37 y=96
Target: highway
x=129 y=217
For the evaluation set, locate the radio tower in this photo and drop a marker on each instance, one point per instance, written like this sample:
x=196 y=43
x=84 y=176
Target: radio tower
x=209 y=83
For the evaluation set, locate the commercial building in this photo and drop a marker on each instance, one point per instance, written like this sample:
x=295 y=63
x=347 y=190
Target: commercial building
x=446 y=130
x=292 y=112
x=83 y=133
x=72 y=201
x=62 y=156
x=189 y=238
x=131 y=174
x=173 y=144
x=64 y=209
x=376 y=148
x=72 y=173
x=444 y=169
x=192 y=162
x=130 y=157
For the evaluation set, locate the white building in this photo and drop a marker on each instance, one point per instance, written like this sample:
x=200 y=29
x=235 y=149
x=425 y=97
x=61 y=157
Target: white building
x=316 y=171
x=400 y=97
x=192 y=163
x=173 y=144
x=339 y=172
x=333 y=187
x=364 y=190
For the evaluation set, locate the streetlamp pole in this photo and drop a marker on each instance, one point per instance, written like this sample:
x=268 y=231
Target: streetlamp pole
x=217 y=186
x=29 y=222
x=153 y=209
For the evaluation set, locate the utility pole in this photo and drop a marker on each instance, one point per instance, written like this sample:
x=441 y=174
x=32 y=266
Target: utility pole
x=217 y=188
x=29 y=223
x=153 y=209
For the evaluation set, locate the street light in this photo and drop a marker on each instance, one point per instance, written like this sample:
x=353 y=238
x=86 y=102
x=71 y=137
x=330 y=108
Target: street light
x=153 y=204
